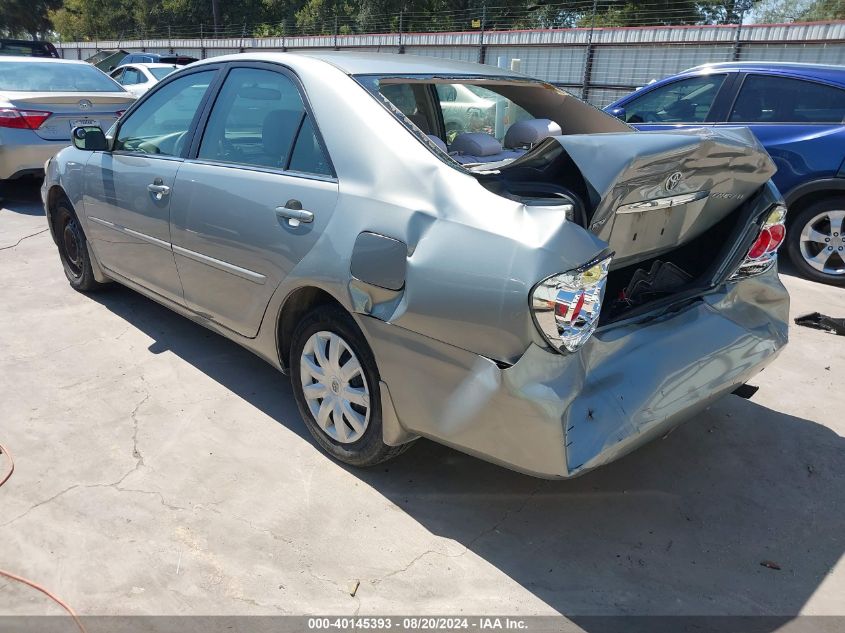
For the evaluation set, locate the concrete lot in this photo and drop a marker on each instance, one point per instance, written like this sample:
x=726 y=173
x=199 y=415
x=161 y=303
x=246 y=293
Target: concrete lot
x=163 y=470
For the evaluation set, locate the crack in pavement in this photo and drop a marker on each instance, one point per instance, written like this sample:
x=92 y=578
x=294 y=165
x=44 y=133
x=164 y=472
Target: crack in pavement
x=134 y=417
x=506 y=516
x=5 y=248
x=115 y=484
x=509 y=513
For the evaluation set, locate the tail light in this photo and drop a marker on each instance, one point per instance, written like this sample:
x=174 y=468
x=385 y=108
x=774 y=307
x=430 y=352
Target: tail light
x=22 y=119
x=119 y=113
x=763 y=252
x=566 y=307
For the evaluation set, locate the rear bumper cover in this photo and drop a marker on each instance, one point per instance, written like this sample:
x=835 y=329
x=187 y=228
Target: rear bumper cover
x=557 y=416
x=24 y=152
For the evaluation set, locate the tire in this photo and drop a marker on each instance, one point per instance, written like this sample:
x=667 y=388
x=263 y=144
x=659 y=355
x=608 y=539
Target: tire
x=73 y=249
x=357 y=440
x=822 y=259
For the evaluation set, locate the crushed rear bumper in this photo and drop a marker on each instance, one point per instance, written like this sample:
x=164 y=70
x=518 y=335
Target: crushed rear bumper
x=556 y=416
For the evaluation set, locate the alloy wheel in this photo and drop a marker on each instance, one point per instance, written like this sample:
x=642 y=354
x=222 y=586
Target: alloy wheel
x=822 y=242
x=335 y=387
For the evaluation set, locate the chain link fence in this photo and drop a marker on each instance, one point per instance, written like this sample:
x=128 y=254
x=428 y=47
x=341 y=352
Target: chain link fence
x=599 y=50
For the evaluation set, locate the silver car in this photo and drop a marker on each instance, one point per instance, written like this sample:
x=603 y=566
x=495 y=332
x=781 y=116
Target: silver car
x=41 y=100
x=547 y=296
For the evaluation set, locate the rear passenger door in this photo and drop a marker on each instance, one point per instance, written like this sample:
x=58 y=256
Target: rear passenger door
x=799 y=122
x=253 y=199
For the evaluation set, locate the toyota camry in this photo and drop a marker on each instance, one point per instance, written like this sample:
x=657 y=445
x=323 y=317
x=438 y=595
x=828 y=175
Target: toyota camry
x=546 y=291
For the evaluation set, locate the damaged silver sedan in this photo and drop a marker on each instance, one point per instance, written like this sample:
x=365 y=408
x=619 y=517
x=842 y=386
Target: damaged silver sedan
x=437 y=249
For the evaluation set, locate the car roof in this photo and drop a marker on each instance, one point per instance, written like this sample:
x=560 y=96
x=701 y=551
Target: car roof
x=147 y=65
x=824 y=72
x=355 y=63
x=40 y=60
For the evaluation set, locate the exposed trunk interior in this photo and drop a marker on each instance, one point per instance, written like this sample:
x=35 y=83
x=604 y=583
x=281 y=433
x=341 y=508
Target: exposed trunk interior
x=674 y=208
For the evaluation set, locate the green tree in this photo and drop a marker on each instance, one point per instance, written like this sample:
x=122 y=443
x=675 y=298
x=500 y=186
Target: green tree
x=27 y=17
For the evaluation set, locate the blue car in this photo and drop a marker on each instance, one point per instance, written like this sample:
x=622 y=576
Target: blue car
x=797 y=112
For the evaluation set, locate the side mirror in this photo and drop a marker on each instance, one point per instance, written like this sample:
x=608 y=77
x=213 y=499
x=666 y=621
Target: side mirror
x=89 y=138
x=619 y=113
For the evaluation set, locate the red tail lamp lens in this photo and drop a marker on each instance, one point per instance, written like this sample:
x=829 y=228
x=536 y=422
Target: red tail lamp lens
x=22 y=119
x=759 y=248
x=577 y=310
x=777 y=232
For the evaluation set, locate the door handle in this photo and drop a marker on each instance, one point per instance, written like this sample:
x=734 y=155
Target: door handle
x=158 y=189
x=294 y=213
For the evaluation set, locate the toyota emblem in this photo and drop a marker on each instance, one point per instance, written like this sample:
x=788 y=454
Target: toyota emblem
x=85 y=104
x=673 y=181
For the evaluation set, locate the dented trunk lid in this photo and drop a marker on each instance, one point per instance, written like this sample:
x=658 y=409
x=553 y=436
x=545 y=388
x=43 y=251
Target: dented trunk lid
x=651 y=192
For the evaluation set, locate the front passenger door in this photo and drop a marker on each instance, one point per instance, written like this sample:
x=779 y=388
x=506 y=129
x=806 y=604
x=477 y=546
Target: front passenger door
x=260 y=164
x=681 y=103
x=128 y=190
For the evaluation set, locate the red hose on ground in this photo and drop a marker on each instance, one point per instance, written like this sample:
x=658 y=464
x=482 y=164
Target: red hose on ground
x=29 y=583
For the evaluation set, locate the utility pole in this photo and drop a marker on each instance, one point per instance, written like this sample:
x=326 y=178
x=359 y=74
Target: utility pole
x=482 y=53
x=588 y=57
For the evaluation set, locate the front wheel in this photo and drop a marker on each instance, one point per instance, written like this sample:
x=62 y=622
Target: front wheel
x=336 y=386
x=73 y=249
x=815 y=241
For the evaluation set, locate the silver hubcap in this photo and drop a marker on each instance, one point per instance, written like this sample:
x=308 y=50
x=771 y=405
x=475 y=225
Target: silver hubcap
x=335 y=388
x=823 y=242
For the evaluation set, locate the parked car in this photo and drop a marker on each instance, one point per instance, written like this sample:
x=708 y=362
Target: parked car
x=797 y=111
x=138 y=78
x=27 y=48
x=548 y=306
x=157 y=58
x=41 y=100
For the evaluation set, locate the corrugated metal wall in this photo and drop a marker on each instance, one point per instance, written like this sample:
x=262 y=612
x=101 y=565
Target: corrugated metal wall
x=609 y=61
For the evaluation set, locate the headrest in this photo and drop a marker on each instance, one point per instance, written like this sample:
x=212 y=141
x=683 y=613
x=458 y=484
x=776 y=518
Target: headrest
x=475 y=144
x=278 y=130
x=529 y=132
x=437 y=141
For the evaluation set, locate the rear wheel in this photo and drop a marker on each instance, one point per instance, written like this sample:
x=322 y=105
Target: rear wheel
x=336 y=386
x=73 y=249
x=816 y=241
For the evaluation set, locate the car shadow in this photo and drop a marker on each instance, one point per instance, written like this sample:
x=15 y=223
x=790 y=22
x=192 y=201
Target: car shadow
x=22 y=196
x=739 y=511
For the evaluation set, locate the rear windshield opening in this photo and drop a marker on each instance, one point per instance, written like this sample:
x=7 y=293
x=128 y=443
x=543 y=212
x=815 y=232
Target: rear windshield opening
x=481 y=121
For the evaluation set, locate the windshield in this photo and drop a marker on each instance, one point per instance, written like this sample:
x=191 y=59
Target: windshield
x=161 y=73
x=54 y=77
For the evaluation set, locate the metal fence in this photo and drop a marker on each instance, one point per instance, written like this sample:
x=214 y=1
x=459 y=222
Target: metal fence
x=598 y=63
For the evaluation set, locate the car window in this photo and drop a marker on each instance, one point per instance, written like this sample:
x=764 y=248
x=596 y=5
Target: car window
x=132 y=76
x=683 y=101
x=765 y=99
x=160 y=73
x=468 y=108
x=160 y=123
x=308 y=156
x=117 y=75
x=412 y=101
x=50 y=76
x=254 y=120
